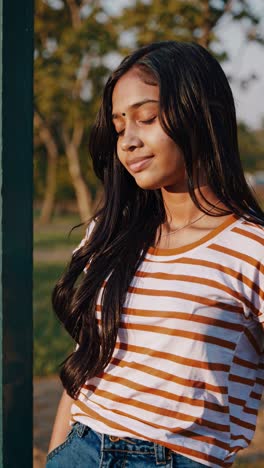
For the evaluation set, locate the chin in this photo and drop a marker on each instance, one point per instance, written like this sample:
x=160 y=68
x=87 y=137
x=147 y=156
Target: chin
x=148 y=180
x=148 y=185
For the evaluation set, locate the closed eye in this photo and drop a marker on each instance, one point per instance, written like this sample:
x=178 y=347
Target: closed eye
x=146 y=122
x=149 y=121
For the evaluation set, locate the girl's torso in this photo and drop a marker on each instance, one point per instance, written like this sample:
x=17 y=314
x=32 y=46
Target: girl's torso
x=188 y=363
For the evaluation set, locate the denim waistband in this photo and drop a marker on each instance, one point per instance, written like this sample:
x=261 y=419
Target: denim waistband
x=128 y=444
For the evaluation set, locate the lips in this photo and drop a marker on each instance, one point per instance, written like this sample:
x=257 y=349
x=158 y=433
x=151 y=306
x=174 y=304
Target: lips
x=138 y=164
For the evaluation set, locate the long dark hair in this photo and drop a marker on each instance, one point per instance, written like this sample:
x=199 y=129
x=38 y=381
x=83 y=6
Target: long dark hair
x=197 y=111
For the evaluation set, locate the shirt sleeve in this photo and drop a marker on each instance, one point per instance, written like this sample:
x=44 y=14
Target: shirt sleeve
x=88 y=232
x=259 y=293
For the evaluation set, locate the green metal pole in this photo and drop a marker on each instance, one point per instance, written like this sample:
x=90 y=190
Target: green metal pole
x=1 y=308
x=16 y=242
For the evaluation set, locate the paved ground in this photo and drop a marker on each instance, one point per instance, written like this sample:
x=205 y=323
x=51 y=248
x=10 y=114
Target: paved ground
x=47 y=393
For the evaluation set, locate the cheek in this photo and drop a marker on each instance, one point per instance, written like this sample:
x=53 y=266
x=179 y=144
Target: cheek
x=171 y=151
x=165 y=143
x=119 y=153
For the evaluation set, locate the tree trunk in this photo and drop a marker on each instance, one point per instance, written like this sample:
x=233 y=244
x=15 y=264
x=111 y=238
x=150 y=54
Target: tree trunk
x=72 y=145
x=47 y=208
x=208 y=24
x=51 y=177
x=83 y=195
x=206 y=27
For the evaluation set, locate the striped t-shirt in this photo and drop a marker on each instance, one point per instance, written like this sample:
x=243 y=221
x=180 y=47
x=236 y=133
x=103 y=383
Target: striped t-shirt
x=188 y=366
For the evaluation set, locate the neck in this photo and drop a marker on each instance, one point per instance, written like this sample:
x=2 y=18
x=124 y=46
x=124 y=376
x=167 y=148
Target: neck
x=180 y=208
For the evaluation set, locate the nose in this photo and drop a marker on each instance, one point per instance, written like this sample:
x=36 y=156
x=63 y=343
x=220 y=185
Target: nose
x=131 y=141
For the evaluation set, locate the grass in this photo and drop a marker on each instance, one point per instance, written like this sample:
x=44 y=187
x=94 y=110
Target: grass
x=51 y=342
x=57 y=234
x=56 y=240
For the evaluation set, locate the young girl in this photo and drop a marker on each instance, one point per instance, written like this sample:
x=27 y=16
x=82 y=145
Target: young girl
x=168 y=368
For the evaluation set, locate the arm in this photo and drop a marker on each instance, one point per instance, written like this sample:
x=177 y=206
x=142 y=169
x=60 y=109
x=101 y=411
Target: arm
x=61 y=423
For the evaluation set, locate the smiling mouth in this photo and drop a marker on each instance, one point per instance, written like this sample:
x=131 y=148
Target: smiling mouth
x=138 y=166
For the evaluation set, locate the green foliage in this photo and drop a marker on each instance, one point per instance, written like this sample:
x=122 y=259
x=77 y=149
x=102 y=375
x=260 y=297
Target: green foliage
x=57 y=87
x=259 y=135
x=187 y=21
x=251 y=149
x=65 y=188
x=160 y=20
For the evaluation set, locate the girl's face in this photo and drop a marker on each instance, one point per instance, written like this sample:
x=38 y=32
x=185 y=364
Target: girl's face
x=146 y=151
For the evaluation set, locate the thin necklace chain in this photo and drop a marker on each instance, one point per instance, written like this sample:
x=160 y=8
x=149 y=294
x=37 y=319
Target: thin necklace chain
x=189 y=224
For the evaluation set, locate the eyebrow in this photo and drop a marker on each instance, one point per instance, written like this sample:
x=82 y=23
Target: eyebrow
x=136 y=105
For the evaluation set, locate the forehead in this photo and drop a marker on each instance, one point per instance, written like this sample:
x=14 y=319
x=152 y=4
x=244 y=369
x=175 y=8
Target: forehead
x=131 y=89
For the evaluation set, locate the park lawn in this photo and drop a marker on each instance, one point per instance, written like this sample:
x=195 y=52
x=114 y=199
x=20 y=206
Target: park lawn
x=51 y=342
x=62 y=232
x=52 y=251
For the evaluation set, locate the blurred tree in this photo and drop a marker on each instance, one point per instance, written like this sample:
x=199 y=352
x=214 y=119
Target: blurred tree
x=73 y=40
x=251 y=149
x=187 y=20
x=259 y=135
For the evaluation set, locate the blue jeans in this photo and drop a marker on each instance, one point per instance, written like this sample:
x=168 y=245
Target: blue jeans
x=85 y=448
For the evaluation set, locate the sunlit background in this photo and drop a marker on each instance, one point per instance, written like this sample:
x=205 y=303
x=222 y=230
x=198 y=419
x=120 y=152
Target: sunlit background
x=77 y=44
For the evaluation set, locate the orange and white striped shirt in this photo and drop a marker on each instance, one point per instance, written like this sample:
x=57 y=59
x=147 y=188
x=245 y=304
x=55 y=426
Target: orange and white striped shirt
x=188 y=366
